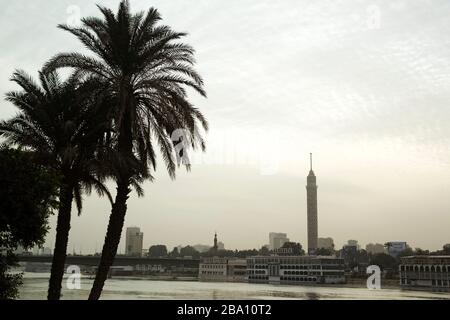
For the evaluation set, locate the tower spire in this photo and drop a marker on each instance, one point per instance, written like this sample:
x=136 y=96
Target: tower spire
x=311 y=203
x=215 y=242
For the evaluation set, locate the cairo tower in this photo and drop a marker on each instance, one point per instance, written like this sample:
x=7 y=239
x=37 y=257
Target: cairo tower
x=311 y=202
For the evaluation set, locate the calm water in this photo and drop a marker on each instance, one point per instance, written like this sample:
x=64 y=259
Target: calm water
x=35 y=287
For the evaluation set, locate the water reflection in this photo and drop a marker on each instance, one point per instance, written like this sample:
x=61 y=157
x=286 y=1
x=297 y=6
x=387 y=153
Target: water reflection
x=35 y=287
x=312 y=296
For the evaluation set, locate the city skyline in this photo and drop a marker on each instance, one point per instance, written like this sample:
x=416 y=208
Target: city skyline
x=369 y=100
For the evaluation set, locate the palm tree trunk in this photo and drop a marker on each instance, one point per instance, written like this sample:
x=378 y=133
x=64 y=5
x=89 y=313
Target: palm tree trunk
x=112 y=239
x=62 y=238
x=119 y=208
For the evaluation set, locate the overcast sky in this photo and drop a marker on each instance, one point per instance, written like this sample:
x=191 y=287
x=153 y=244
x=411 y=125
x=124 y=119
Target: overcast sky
x=364 y=85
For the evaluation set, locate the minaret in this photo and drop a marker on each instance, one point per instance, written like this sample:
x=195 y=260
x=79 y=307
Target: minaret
x=311 y=202
x=215 y=243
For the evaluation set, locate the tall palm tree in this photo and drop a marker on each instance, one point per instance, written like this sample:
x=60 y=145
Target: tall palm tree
x=148 y=72
x=62 y=123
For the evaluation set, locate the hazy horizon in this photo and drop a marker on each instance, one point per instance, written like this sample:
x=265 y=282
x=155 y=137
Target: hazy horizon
x=365 y=87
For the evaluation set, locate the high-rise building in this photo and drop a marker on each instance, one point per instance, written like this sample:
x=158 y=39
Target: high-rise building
x=133 y=242
x=311 y=203
x=396 y=247
x=325 y=243
x=277 y=239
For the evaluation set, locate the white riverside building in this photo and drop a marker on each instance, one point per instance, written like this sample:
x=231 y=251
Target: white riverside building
x=222 y=269
x=425 y=272
x=295 y=270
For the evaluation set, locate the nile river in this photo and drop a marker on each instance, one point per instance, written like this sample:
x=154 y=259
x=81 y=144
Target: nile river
x=35 y=287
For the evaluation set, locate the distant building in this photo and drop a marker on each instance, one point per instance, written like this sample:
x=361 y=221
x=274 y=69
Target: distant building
x=396 y=247
x=222 y=269
x=237 y=270
x=325 y=243
x=276 y=240
x=375 y=248
x=41 y=251
x=425 y=272
x=295 y=270
x=220 y=245
x=353 y=243
x=133 y=242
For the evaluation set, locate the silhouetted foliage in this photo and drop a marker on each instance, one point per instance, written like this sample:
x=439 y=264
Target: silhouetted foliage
x=158 y=250
x=246 y=253
x=27 y=198
x=384 y=261
x=189 y=251
x=220 y=253
x=295 y=248
x=324 y=252
x=63 y=123
x=264 y=251
x=174 y=253
x=147 y=72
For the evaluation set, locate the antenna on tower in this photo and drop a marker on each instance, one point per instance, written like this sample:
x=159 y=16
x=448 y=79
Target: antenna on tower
x=310 y=161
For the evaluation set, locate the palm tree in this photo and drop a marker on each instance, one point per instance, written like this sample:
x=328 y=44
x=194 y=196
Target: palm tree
x=148 y=72
x=63 y=125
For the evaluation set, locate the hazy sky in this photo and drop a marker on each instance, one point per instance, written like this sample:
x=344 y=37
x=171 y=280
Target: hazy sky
x=364 y=85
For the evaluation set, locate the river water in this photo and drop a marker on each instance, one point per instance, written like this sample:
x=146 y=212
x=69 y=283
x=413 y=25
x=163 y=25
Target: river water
x=35 y=287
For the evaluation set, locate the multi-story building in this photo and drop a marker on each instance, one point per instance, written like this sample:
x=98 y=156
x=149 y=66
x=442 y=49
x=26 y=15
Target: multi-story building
x=237 y=270
x=133 y=242
x=396 y=247
x=213 y=269
x=425 y=272
x=277 y=239
x=375 y=248
x=325 y=243
x=222 y=269
x=295 y=270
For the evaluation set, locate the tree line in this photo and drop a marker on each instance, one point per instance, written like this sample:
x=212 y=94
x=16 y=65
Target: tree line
x=160 y=251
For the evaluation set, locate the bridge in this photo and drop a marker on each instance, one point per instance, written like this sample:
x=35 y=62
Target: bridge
x=118 y=261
